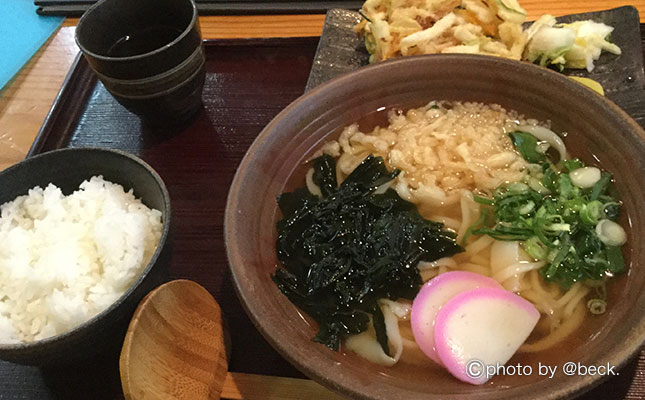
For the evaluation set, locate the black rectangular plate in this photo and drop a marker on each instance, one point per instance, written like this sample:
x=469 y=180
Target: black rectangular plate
x=340 y=50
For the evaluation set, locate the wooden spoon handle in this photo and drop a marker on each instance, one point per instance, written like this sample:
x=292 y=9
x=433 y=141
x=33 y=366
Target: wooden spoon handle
x=240 y=386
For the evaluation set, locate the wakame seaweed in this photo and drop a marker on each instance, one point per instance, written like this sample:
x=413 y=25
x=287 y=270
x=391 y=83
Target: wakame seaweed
x=347 y=249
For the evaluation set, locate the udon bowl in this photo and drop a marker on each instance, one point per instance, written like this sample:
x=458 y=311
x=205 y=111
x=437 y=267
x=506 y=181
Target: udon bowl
x=103 y=334
x=596 y=128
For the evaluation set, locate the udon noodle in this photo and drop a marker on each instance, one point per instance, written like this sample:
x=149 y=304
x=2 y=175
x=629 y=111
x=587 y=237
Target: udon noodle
x=446 y=151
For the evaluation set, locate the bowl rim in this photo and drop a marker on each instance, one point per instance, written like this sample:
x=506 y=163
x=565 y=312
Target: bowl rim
x=578 y=385
x=166 y=224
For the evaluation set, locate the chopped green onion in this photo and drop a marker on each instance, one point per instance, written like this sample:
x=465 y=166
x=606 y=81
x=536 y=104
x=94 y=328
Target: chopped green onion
x=535 y=248
x=536 y=185
x=563 y=219
x=591 y=213
x=559 y=227
x=566 y=187
x=550 y=179
x=597 y=306
x=610 y=233
x=615 y=259
x=585 y=177
x=535 y=170
x=573 y=206
x=572 y=164
x=600 y=186
x=555 y=264
x=483 y=217
x=527 y=208
x=483 y=200
x=543 y=238
x=517 y=187
x=527 y=145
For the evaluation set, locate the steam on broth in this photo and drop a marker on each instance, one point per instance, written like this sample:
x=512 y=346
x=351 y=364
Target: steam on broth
x=544 y=230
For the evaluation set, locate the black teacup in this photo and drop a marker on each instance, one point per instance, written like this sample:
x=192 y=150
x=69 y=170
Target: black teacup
x=148 y=54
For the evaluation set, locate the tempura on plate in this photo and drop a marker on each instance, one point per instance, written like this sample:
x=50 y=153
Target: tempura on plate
x=394 y=28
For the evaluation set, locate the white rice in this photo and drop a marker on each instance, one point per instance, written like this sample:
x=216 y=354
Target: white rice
x=64 y=259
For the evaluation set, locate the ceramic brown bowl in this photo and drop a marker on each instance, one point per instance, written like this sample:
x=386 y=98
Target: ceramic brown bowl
x=596 y=128
x=67 y=168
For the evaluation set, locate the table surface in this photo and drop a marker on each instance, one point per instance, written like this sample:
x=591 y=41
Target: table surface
x=26 y=100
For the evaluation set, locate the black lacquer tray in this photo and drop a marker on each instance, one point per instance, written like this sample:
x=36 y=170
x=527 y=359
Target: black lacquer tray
x=248 y=83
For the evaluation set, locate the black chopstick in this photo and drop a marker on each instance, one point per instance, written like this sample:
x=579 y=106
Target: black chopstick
x=77 y=7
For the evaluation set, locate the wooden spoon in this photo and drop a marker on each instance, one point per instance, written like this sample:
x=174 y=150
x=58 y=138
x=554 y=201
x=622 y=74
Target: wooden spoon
x=176 y=348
